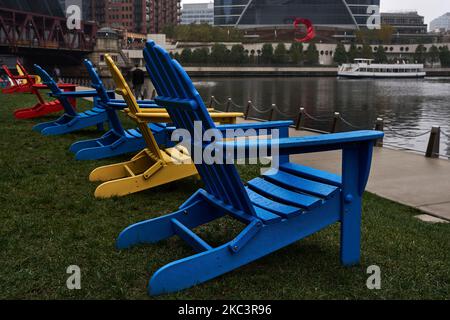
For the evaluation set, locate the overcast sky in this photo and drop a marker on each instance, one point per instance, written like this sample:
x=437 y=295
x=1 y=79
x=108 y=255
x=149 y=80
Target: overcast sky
x=429 y=8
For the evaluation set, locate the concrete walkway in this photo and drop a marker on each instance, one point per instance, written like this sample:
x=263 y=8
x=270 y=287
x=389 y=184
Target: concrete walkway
x=401 y=176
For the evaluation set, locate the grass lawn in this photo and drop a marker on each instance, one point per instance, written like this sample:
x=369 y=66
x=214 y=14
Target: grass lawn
x=50 y=220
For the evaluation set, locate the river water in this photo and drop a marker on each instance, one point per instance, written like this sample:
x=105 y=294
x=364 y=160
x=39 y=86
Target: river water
x=409 y=107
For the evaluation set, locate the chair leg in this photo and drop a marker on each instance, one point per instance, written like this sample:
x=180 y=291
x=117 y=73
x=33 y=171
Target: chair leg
x=351 y=208
x=133 y=184
x=154 y=230
x=351 y=237
x=101 y=126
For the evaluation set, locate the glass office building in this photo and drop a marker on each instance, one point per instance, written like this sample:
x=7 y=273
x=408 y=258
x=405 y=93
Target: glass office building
x=265 y=13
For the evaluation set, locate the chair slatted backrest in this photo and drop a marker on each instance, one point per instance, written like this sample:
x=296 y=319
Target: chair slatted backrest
x=30 y=80
x=21 y=69
x=124 y=90
x=53 y=86
x=10 y=75
x=96 y=82
x=172 y=83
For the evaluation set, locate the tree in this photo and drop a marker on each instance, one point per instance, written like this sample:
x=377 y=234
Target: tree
x=186 y=55
x=367 y=52
x=433 y=55
x=176 y=56
x=267 y=53
x=219 y=53
x=380 y=55
x=296 y=52
x=385 y=33
x=237 y=54
x=312 y=55
x=420 y=54
x=280 y=56
x=444 y=55
x=200 y=55
x=353 y=53
x=340 y=55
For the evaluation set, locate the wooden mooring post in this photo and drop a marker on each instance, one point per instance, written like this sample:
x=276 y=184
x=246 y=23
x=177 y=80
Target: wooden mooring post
x=300 y=119
x=228 y=105
x=379 y=126
x=247 y=110
x=272 y=112
x=434 y=143
x=211 y=102
x=336 y=118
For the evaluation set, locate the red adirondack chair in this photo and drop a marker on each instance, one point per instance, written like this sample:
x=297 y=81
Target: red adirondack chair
x=42 y=107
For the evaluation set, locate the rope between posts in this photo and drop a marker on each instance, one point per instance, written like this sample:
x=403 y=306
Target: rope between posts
x=288 y=115
x=260 y=110
x=218 y=102
x=407 y=135
x=445 y=134
x=236 y=105
x=314 y=118
x=350 y=124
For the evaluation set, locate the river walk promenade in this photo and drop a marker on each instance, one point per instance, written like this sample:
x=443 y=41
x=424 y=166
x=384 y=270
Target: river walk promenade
x=398 y=175
x=402 y=176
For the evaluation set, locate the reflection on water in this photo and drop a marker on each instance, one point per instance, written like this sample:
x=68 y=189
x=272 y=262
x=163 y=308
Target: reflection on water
x=409 y=107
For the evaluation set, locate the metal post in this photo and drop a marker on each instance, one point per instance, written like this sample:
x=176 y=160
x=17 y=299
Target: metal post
x=433 y=143
x=228 y=105
x=337 y=116
x=272 y=112
x=153 y=94
x=211 y=102
x=299 y=123
x=247 y=110
x=379 y=126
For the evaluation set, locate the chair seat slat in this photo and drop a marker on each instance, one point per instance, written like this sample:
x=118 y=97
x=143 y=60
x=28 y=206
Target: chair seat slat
x=283 y=195
x=291 y=181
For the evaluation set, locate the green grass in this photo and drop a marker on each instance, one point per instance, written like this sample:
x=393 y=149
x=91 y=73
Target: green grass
x=50 y=220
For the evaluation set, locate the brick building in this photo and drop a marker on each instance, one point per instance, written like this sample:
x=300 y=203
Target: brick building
x=139 y=16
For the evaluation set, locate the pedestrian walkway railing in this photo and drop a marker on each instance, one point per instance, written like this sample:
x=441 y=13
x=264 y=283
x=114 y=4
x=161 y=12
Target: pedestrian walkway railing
x=337 y=123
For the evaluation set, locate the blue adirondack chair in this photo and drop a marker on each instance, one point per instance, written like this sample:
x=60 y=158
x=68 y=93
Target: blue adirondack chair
x=279 y=208
x=117 y=141
x=71 y=121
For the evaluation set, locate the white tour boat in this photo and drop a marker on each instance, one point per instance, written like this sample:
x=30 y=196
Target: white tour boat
x=365 y=68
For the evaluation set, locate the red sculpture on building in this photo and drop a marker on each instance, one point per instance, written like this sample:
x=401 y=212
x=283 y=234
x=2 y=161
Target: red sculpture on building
x=310 y=31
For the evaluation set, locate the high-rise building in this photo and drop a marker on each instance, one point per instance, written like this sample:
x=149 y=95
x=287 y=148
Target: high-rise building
x=441 y=24
x=348 y=14
x=197 y=13
x=406 y=24
x=139 y=16
x=162 y=13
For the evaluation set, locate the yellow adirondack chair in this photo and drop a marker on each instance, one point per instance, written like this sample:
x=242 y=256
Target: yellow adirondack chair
x=37 y=79
x=153 y=166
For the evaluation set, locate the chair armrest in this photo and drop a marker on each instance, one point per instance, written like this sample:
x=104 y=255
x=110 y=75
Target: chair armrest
x=256 y=125
x=246 y=126
x=120 y=105
x=76 y=94
x=140 y=102
x=299 y=145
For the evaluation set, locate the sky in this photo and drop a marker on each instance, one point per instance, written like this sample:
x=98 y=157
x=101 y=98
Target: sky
x=431 y=9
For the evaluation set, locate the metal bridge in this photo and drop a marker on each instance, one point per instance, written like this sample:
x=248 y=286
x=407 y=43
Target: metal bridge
x=23 y=31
